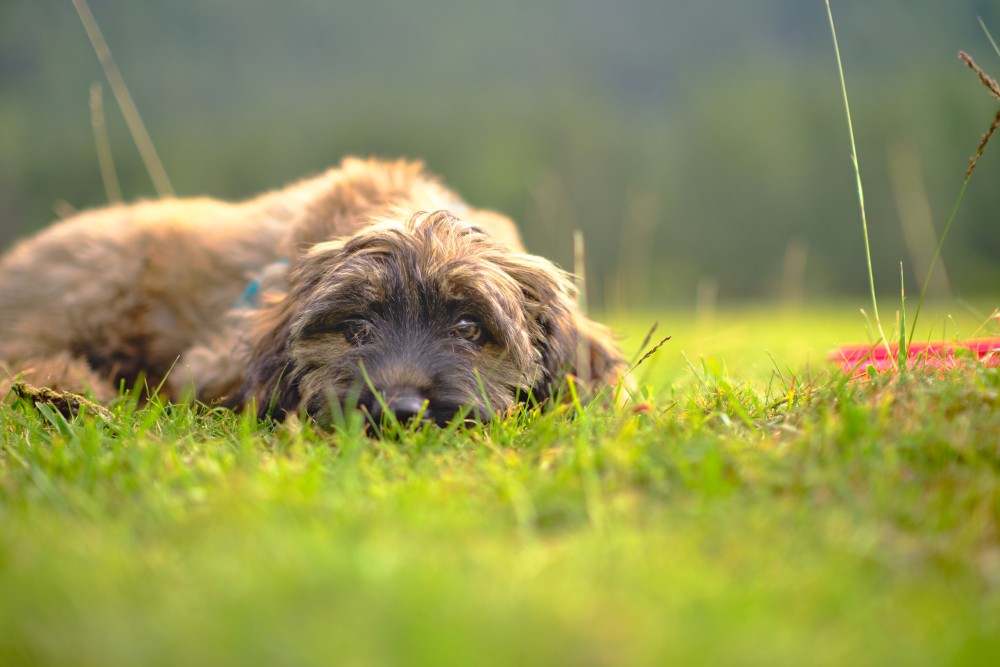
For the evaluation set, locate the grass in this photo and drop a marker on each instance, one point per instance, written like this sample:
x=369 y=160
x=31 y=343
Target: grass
x=780 y=514
x=752 y=517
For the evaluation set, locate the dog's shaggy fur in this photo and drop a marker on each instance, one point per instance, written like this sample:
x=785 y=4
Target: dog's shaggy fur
x=370 y=284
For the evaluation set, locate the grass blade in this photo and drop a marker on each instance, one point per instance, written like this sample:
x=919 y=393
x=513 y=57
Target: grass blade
x=989 y=36
x=857 y=174
x=937 y=253
x=903 y=351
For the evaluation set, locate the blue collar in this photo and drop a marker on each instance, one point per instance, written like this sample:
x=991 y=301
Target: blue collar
x=250 y=299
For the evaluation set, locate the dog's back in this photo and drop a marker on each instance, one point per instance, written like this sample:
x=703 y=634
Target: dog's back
x=127 y=288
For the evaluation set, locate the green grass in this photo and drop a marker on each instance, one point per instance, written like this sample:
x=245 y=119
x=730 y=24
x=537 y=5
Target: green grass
x=761 y=514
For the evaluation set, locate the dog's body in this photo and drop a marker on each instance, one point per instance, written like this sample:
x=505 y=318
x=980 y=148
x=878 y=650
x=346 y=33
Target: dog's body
x=371 y=276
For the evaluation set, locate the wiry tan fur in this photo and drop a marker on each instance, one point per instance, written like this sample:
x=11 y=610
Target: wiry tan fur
x=153 y=290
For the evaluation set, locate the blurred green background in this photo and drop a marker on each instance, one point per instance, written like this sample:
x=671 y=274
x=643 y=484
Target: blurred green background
x=700 y=147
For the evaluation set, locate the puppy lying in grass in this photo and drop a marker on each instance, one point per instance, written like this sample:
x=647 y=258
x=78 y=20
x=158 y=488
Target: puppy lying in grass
x=369 y=285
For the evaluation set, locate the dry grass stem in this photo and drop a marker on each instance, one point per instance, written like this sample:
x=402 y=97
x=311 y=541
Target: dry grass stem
x=105 y=160
x=579 y=270
x=987 y=80
x=135 y=125
x=68 y=404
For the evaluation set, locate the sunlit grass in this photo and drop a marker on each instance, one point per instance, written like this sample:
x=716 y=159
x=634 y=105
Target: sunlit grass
x=758 y=514
x=756 y=340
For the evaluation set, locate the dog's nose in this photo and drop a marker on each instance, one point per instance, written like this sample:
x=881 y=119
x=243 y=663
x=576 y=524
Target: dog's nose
x=405 y=405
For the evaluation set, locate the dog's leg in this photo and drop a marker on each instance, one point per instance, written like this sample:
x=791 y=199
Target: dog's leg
x=209 y=372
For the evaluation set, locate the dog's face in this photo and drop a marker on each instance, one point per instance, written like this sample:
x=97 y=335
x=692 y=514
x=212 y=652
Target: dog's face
x=430 y=318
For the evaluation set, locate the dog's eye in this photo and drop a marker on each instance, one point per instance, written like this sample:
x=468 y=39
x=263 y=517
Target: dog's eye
x=469 y=328
x=356 y=331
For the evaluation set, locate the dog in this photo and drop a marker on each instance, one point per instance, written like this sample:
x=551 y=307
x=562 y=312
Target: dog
x=371 y=285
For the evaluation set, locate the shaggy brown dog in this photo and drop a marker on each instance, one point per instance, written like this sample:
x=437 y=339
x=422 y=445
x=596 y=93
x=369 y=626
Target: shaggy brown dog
x=339 y=289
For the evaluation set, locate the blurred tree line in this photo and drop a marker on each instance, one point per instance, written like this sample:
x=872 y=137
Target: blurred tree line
x=700 y=147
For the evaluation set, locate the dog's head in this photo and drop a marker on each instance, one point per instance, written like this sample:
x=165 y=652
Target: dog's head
x=431 y=317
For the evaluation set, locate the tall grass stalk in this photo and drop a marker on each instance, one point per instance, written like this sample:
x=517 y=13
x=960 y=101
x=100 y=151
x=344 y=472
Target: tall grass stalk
x=580 y=275
x=132 y=118
x=105 y=159
x=903 y=347
x=994 y=88
x=937 y=253
x=989 y=35
x=857 y=174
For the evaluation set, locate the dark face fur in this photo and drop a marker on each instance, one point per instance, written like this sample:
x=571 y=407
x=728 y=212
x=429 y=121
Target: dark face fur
x=427 y=318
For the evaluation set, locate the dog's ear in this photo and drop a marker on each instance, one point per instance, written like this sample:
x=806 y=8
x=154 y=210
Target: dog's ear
x=565 y=340
x=572 y=344
x=272 y=379
x=598 y=358
x=270 y=383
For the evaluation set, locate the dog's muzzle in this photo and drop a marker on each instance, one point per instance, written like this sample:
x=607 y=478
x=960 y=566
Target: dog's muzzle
x=405 y=404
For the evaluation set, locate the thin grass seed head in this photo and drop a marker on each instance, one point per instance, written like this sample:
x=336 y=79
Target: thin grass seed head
x=994 y=88
x=986 y=79
x=974 y=160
